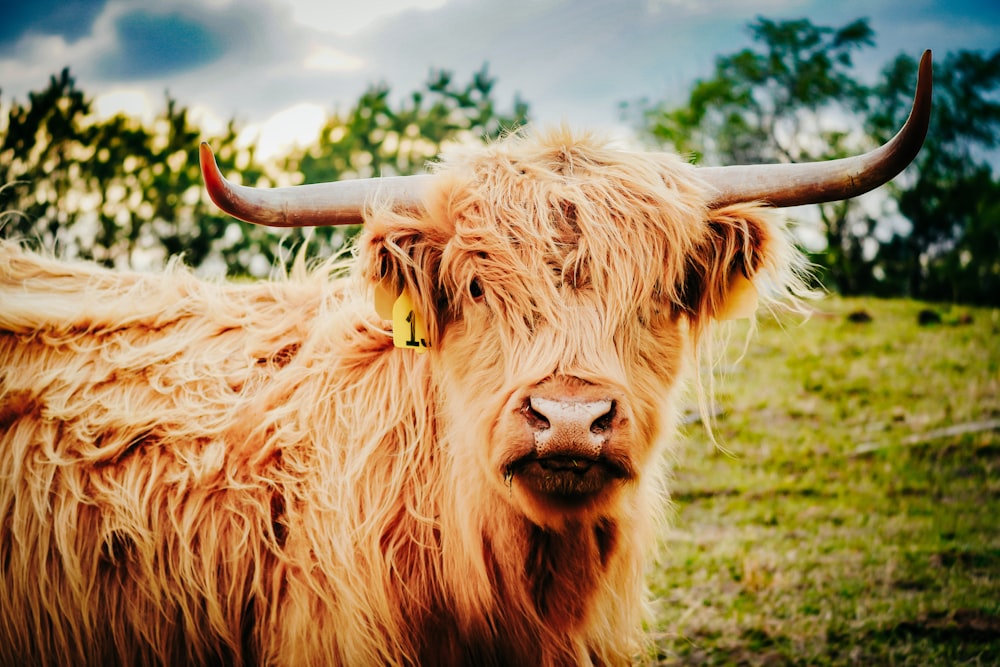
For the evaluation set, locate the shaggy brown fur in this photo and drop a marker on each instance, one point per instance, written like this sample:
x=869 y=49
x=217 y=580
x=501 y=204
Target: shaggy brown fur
x=195 y=473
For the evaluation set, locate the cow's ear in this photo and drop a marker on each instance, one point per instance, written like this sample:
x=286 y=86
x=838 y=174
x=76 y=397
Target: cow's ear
x=725 y=273
x=399 y=255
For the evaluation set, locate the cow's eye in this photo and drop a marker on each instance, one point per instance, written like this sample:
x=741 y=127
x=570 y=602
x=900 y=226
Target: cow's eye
x=476 y=289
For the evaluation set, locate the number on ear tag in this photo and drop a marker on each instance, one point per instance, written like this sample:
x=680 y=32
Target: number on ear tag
x=741 y=300
x=408 y=330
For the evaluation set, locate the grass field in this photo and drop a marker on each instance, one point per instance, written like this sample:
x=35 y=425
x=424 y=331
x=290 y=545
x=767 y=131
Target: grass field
x=851 y=521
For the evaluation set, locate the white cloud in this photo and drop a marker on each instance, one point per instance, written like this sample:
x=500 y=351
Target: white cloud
x=30 y=64
x=572 y=60
x=325 y=59
x=133 y=102
x=298 y=125
x=348 y=17
x=37 y=56
x=207 y=119
x=701 y=7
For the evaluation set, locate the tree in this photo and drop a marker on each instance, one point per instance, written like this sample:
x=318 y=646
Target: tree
x=122 y=193
x=777 y=102
x=780 y=101
x=40 y=156
x=107 y=190
x=953 y=249
x=765 y=106
x=377 y=137
x=149 y=188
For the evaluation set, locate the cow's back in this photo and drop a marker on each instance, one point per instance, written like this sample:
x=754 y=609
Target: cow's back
x=123 y=508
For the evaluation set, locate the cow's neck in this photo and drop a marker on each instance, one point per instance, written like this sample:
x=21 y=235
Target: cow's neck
x=561 y=570
x=540 y=585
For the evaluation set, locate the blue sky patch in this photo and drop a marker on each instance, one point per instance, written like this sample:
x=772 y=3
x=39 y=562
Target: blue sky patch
x=72 y=19
x=155 y=45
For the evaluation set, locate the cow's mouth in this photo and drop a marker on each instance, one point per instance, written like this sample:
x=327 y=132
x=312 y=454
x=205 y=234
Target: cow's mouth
x=564 y=477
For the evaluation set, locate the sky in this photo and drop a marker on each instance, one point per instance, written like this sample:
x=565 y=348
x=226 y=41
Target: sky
x=279 y=66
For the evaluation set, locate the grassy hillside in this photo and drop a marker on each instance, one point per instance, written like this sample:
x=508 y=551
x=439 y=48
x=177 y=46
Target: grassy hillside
x=852 y=521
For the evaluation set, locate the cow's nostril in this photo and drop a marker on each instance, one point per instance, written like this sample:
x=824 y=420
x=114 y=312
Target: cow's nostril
x=536 y=420
x=603 y=423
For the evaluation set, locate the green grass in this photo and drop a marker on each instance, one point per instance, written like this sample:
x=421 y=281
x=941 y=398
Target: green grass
x=842 y=527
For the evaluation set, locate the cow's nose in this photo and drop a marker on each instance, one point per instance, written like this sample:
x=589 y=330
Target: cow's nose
x=569 y=427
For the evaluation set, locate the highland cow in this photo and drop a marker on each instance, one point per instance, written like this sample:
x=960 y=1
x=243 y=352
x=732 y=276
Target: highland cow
x=241 y=474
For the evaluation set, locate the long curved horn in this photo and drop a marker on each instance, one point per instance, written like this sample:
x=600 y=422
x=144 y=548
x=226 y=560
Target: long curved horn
x=817 y=182
x=337 y=203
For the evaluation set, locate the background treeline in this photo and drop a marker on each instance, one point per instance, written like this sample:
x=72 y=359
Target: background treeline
x=125 y=193
x=934 y=232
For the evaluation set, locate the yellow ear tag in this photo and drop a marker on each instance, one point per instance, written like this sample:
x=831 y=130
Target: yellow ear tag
x=741 y=300
x=408 y=328
x=383 y=301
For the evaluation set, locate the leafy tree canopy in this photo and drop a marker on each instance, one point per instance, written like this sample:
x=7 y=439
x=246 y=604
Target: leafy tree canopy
x=124 y=194
x=795 y=95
